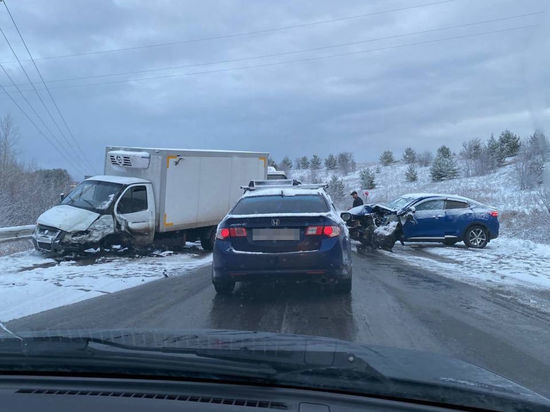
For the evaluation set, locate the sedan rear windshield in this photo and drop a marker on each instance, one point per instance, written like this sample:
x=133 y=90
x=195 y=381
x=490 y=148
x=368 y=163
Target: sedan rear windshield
x=281 y=204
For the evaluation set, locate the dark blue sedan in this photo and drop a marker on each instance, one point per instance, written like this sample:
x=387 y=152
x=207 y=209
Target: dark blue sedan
x=448 y=219
x=286 y=232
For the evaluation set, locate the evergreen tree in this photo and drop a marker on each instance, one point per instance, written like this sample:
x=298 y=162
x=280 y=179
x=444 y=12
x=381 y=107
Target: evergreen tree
x=367 y=179
x=315 y=162
x=336 y=189
x=509 y=143
x=344 y=162
x=411 y=174
x=271 y=162
x=495 y=154
x=330 y=162
x=286 y=164
x=386 y=158
x=304 y=163
x=444 y=166
x=409 y=156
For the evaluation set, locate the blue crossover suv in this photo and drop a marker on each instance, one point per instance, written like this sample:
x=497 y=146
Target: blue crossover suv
x=421 y=217
x=282 y=231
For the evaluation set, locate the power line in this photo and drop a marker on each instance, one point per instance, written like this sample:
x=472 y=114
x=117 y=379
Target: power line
x=63 y=153
x=309 y=59
x=33 y=85
x=35 y=125
x=79 y=149
x=248 y=33
x=347 y=44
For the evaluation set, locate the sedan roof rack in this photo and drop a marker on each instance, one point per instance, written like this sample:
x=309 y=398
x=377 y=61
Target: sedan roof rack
x=280 y=183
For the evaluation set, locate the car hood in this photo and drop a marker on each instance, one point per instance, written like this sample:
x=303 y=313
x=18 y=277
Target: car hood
x=408 y=374
x=370 y=208
x=67 y=218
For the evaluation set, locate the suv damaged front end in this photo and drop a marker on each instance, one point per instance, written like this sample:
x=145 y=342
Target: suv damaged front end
x=376 y=225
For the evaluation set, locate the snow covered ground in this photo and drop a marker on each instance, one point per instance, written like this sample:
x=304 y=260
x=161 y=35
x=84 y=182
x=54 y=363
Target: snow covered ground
x=31 y=283
x=514 y=267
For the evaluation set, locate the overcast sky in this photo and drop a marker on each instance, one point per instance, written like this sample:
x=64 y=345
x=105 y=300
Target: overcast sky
x=287 y=77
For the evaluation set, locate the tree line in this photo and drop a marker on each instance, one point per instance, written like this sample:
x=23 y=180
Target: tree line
x=476 y=157
x=25 y=192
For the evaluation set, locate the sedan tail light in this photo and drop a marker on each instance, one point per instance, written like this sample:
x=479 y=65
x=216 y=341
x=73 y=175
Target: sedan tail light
x=225 y=233
x=329 y=231
x=222 y=233
x=314 y=230
x=494 y=213
x=237 y=232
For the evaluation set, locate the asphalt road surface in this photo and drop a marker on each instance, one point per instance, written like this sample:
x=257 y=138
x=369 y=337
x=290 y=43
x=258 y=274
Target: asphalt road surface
x=391 y=304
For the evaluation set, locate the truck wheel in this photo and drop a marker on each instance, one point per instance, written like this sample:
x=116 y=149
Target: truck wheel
x=207 y=239
x=476 y=237
x=224 y=288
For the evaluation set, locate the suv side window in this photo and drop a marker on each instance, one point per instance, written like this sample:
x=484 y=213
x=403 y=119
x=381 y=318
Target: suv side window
x=437 y=204
x=134 y=200
x=455 y=204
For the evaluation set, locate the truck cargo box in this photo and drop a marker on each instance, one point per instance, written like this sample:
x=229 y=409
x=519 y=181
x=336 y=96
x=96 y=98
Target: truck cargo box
x=192 y=188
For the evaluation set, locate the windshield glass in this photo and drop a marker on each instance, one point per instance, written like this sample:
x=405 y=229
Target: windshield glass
x=295 y=174
x=280 y=204
x=92 y=195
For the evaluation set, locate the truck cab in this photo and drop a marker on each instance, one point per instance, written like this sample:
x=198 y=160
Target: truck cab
x=100 y=211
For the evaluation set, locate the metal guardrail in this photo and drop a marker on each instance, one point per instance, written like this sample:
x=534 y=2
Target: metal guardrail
x=9 y=234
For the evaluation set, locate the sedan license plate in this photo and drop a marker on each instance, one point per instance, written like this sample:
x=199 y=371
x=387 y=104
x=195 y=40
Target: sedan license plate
x=275 y=234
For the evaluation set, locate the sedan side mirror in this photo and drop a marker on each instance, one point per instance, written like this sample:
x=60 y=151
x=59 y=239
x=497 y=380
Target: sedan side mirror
x=61 y=197
x=412 y=209
x=346 y=216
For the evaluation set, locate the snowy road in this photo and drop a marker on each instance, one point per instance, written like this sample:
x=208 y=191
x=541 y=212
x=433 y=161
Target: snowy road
x=31 y=283
x=393 y=303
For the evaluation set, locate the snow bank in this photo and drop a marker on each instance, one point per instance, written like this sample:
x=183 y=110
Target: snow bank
x=504 y=262
x=30 y=283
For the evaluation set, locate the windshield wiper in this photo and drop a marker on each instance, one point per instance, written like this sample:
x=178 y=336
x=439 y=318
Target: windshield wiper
x=263 y=361
x=97 y=355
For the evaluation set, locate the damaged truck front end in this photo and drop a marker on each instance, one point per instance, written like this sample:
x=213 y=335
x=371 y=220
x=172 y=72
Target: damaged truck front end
x=97 y=214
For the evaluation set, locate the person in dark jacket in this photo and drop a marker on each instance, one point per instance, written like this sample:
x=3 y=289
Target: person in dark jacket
x=357 y=201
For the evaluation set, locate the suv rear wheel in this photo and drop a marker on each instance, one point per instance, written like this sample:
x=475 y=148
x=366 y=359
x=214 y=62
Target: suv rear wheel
x=476 y=237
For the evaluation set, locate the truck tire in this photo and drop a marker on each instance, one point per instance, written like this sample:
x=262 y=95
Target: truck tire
x=208 y=237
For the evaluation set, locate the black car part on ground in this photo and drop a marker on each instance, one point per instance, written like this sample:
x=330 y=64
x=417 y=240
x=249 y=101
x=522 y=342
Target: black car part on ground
x=271 y=359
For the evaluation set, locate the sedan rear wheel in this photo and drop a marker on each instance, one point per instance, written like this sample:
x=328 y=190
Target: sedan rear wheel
x=224 y=288
x=476 y=237
x=344 y=286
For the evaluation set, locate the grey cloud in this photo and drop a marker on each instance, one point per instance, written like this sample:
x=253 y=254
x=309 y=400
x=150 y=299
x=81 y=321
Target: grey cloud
x=366 y=102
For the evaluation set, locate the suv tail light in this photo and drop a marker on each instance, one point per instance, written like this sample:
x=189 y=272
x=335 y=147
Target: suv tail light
x=329 y=231
x=494 y=213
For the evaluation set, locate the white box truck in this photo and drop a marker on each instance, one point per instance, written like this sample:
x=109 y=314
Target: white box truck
x=149 y=194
